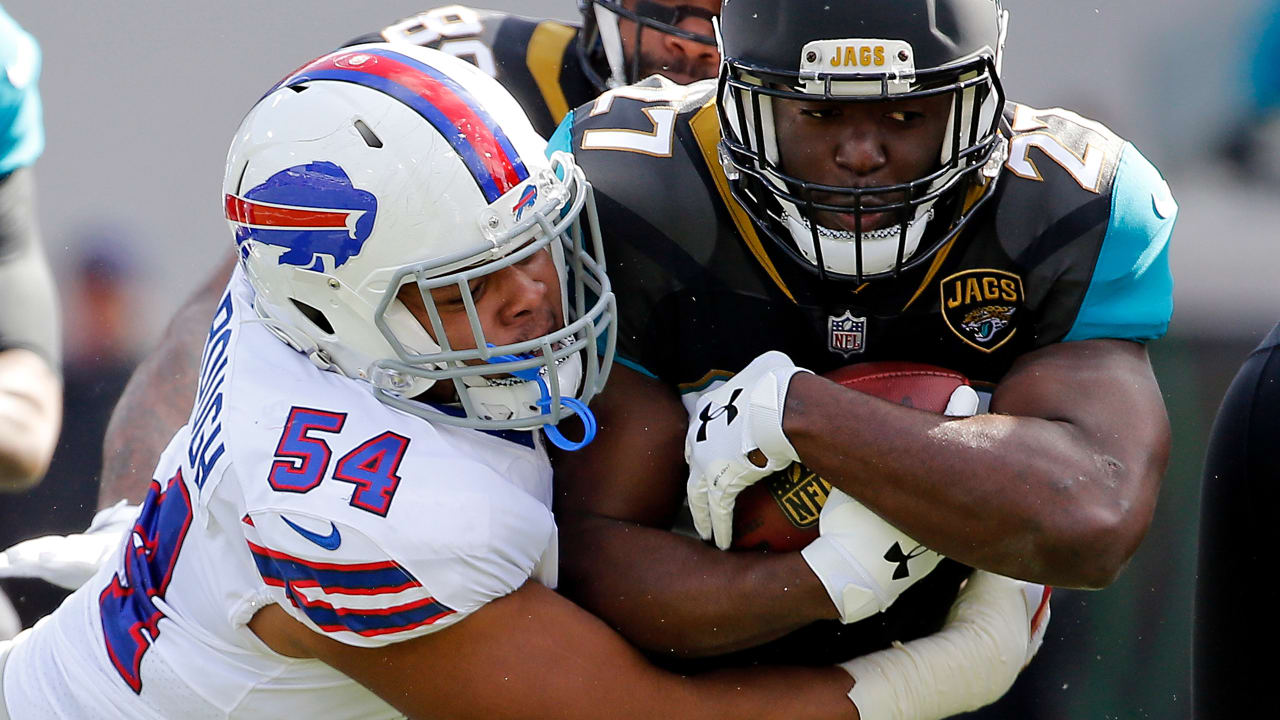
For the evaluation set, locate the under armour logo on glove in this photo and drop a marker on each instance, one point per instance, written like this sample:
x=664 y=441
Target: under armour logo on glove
x=708 y=413
x=848 y=559
x=901 y=559
x=717 y=453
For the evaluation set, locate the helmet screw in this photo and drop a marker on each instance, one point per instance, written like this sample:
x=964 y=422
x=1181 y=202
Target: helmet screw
x=902 y=55
x=492 y=222
x=811 y=57
x=333 y=283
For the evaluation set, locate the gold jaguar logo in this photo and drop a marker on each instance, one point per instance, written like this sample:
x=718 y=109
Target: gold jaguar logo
x=986 y=322
x=981 y=306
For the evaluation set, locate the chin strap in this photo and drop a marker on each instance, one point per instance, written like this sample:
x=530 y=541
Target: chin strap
x=574 y=405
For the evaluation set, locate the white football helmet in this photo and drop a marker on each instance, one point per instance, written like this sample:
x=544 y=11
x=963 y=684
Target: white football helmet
x=383 y=165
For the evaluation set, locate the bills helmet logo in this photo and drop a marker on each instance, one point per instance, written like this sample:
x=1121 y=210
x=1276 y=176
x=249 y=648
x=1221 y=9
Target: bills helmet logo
x=527 y=199
x=310 y=210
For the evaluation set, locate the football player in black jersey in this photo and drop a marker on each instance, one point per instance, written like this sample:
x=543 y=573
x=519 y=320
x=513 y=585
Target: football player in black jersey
x=548 y=66
x=1238 y=497
x=857 y=187
x=551 y=67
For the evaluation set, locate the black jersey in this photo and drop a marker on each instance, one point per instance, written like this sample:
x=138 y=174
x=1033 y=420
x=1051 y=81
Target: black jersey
x=1072 y=246
x=1239 y=492
x=535 y=60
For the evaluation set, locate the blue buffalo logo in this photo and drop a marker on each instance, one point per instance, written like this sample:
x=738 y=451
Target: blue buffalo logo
x=527 y=199
x=310 y=210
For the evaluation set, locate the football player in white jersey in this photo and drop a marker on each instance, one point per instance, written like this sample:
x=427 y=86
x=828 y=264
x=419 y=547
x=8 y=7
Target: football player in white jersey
x=355 y=521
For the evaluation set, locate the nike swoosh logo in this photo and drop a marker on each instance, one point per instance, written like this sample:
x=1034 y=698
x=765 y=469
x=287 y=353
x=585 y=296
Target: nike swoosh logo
x=328 y=542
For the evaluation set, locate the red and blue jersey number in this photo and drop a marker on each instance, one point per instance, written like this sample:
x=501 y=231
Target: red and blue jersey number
x=129 y=614
x=303 y=455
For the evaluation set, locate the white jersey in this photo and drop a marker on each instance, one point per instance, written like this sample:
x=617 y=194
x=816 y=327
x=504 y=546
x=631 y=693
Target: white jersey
x=295 y=486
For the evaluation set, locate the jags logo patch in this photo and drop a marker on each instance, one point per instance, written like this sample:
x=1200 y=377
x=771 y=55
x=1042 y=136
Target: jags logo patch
x=800 y=494
x=982 y=306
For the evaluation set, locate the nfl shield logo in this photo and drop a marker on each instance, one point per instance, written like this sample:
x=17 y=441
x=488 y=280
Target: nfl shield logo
x=847 y=334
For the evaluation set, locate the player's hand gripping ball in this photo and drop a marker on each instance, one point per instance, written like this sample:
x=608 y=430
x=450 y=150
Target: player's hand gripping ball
x=734 y=439
x=780 y=512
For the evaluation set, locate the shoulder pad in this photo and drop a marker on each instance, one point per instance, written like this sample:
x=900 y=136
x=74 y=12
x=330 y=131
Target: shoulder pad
x=457 y=536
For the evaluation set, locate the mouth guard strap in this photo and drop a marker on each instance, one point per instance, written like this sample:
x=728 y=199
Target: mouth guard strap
x=575 y=407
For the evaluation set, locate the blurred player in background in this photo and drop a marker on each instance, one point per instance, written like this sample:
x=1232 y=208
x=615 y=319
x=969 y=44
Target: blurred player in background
x=1251 y=142
x=30 y=353
x=1237 y=498
x=356 y=520
x=549 y=67
x=856 y=187
x=552 y=67
x=30 y=391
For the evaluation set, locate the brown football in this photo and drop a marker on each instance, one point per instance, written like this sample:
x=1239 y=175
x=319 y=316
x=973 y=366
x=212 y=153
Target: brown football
x=780 y=513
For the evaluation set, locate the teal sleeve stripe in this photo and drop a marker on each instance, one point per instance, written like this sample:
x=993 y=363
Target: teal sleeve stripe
x=634 y=366
x=1130 y=295
x=600 y=344
x=562 y=138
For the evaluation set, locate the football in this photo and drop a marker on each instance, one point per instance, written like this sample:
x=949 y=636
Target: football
x=780 y=513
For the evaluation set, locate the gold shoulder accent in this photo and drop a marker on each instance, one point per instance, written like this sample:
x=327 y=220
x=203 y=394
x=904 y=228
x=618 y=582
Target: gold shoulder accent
x=545 y=57
x=705 y=125
x=973 y=196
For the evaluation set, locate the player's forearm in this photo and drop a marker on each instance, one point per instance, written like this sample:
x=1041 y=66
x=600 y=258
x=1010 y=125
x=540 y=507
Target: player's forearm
x=672 y=594
x=30 y=417
x=1018 y=496
x=532 y=654
x=157 y=399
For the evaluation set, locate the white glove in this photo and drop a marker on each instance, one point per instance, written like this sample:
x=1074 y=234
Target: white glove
x=726 y=424
x=962 y=403
x=993 y=630
x=69 y=561
x=864 y=562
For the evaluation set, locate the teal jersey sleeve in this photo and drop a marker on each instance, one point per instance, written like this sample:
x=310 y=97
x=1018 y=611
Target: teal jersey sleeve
x=21 y=125
x=1130 y=295
x=562 y=138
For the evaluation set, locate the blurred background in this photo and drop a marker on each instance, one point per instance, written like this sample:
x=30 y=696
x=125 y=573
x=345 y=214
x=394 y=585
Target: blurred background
x=141 y=100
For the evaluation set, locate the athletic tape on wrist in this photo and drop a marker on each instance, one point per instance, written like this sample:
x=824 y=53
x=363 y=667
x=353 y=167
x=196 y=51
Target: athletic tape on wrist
x=970 y=663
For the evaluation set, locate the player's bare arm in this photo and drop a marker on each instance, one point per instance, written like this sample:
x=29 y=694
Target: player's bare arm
x=534 y=654
x=617 y=500
x=1058 y=483
x=30 y=416
x=157 y=399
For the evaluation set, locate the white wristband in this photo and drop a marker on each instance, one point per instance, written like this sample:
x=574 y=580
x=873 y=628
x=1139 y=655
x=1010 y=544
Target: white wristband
x=970 y=663
x=765 y=406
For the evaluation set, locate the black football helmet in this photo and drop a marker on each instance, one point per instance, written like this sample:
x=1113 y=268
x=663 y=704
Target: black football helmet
x=600 y=41
x=861 y=51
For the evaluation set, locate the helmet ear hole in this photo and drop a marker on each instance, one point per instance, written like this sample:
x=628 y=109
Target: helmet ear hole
x=366 y=132
x=316 y=317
